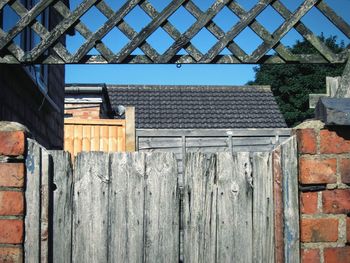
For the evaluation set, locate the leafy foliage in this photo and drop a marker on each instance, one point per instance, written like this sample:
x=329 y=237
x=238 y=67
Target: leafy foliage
x=292 y=84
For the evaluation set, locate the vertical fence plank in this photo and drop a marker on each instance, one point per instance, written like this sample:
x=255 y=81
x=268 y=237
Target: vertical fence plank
x=44 y=203
x=104 y=138
x=69 y=138
x=95 y=138
x=32 y=195
x=278 y=204
x=90 y=222
x=161 y=208
x=263 y=212
x=234 y=226
x=86 y=138
x=62 y=207
x=121 y=143
x=291 y=202
x=130 y=132
x=78 y=135
x=199 y=208
x=113 y=139
x=126 y=209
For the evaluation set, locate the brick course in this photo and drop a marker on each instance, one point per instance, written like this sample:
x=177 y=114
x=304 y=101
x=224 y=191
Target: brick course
x=345 y=170
x=308 y=202
x=11 y=231
x=12 y=143
x=310 y=255
x=336 y=201
x=307 y=141
x=11 y=174
x=12 y=177
x=337 y=255
x=11 y=203
x=11 y=254
x=319 y=230
x=324 y=160
x=325 y=173
x=331 y=142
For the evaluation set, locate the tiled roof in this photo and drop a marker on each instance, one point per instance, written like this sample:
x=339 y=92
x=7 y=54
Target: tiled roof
x=202 y=107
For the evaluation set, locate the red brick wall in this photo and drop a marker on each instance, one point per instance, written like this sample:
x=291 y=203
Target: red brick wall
x=12 y=176
x=324 y=163
x=83 y=111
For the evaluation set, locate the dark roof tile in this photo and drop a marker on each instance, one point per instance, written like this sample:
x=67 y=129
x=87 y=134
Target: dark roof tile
x=172 y=107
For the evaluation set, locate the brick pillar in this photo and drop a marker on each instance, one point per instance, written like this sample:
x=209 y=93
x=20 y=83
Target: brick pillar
x=324 y=177
x=12 y=175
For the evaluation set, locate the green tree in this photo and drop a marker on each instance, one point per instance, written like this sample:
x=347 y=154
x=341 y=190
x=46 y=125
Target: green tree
x=291 y=84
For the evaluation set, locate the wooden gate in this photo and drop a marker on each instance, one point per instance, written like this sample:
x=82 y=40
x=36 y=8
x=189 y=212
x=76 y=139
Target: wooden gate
x=125 y=207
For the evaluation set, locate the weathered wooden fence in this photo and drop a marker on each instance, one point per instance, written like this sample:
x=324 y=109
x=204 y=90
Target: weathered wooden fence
x=183 y=141
x=125 y=207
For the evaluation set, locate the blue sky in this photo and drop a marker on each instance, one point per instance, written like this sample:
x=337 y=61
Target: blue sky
x=190 y=74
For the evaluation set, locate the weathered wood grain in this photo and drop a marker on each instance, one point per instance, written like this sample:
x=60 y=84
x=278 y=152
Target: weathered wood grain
x=62 y=207
x=32 y=242
x=263 y=208
x=45 y=191
x=278 y=205
x=234 y=208
x=161 y=223
x=199 y=208
x=290 y=200
x=174 y=142
x=90 y=208
x=126 y=207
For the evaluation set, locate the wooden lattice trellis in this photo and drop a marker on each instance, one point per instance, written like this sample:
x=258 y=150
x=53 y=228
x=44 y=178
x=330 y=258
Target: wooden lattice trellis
x=13 y=54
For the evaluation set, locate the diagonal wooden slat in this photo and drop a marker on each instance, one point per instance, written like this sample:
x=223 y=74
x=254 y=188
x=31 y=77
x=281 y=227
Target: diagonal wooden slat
x=231 y=34
x=192 y=31
x=13 y=54
x=107 y=27
x=24 y=21
x=60 y=29
x=38 y=28
x=128 y=31
x=305 y=32
x=15 y=50
x=282 y=30
x=262 y=32
x=217 y=32
x=3 y=3
x=63 y=10
x=148 y=30
x=338 y=21
x=171 y=30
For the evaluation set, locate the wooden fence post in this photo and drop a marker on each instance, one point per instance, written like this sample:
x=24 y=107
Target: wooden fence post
x=130 y=138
